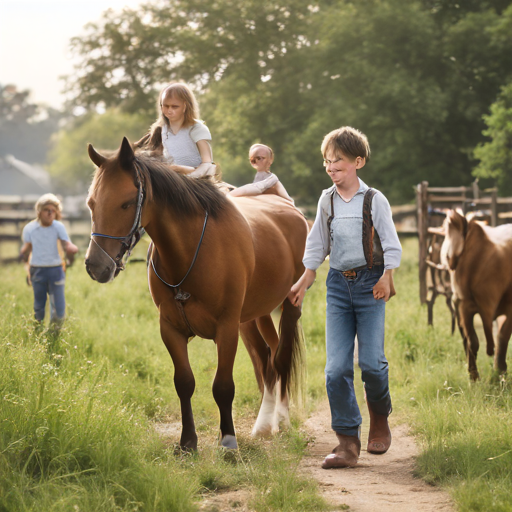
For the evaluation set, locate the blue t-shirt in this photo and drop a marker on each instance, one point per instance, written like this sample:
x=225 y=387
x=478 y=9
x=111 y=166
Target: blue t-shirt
x=45 y=252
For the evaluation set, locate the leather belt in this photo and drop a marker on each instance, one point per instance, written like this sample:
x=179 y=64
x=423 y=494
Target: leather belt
x=352 y=273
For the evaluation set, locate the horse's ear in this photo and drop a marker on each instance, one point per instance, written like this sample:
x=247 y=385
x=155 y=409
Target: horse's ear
x=97 y=159
x=126 y=155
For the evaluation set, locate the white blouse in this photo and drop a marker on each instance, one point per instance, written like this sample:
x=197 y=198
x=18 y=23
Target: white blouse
x=181 y=148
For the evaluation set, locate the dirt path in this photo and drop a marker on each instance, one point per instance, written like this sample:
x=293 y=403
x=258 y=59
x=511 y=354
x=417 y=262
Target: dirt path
x=379 y=483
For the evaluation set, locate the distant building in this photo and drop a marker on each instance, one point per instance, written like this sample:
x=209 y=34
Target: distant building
x=22 y=179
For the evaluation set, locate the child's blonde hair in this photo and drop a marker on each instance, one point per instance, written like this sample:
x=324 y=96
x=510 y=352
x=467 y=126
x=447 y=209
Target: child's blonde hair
x=48 y=199
x=182 y=92
x=258 y=145
x=347 y=140
x=153 y=140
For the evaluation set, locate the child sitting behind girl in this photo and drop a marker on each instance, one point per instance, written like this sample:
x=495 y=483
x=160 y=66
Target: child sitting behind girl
x=261 y=158
x=178 y=134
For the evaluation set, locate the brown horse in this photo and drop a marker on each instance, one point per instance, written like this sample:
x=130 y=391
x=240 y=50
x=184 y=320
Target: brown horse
x=217 y=266
x=479 y=260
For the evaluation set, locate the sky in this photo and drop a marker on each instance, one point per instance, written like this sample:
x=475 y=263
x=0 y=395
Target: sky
x=34 y=42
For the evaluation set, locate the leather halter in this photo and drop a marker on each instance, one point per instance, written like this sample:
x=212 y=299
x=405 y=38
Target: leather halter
x=129 y=241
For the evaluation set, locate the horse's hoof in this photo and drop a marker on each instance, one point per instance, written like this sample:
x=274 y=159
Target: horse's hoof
x=474 y=375
x=262 y=431
x=229 y=442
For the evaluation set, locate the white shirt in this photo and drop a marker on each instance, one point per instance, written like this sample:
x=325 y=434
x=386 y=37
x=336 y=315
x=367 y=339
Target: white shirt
x=181 y=148
x=44 y=239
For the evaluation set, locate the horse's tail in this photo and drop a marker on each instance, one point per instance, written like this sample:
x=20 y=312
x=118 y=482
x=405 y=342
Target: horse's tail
x=289 y=360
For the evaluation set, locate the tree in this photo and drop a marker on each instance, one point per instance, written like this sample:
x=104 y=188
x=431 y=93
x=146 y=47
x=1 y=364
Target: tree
x=25 y=128
x=417 y=77
x=496 y=155
x=69 y=163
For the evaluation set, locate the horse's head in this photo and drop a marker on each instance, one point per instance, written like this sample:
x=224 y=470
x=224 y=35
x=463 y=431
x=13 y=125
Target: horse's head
x=115 y=200
x=455 y=228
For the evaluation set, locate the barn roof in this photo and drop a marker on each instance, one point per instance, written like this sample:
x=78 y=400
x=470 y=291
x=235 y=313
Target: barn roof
x=20 y=178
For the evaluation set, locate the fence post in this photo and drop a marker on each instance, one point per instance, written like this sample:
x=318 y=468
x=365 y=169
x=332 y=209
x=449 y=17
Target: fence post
x=422 y=210
x=494 y=207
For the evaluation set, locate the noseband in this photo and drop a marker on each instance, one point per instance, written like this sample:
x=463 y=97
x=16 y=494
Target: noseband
x=129 y=241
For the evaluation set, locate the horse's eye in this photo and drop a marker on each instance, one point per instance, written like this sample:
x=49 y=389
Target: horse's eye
x=125 y=206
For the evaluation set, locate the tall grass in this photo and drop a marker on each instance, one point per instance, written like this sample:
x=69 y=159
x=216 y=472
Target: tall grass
x=78 y=411
x=465 y=428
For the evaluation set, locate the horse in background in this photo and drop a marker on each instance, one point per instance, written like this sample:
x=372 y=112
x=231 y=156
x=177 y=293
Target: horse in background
x=479 y=259
x=217 y=266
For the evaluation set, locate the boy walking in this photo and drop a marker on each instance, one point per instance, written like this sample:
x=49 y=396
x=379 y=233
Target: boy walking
x=354 y=226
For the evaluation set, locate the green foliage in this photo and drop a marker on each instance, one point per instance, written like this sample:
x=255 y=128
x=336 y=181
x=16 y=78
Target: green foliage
x=496 y=155
x=416 y=77
x=69 y=162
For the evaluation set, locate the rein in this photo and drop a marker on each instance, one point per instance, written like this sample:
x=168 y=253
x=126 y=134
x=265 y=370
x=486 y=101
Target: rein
x=129 y=241
x=193 y=260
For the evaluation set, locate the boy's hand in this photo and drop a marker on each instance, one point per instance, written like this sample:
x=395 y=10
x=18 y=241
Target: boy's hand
x=298 y=290
x=296 y=294
x=384 y=289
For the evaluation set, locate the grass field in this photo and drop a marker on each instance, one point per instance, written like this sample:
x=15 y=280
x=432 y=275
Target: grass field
x=78 y=411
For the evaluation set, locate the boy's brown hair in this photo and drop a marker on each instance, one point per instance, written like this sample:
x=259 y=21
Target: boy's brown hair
x=347 y=140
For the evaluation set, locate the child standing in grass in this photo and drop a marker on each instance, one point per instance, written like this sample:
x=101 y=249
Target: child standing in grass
x=41 y=238
x=178 y=134
x=359 y=284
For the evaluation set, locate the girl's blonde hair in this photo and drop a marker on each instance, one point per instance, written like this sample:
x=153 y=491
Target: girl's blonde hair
x=181 y=91
x=48 y=199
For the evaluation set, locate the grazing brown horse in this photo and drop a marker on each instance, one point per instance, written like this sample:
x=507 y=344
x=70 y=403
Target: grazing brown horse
x=217 y=266
x=480 y=261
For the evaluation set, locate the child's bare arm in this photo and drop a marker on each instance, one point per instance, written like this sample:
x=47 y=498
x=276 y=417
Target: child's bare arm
x=25 y=251
x=207 y=167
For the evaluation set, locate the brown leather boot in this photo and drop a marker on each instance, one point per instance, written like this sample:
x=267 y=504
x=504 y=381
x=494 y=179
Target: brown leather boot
x=379 y=437
x=345 y=455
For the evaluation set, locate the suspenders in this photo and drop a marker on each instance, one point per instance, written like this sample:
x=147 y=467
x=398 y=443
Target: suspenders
x=368 y=229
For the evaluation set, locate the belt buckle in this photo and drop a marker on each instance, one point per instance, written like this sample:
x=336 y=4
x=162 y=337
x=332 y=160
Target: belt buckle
x=349 y=274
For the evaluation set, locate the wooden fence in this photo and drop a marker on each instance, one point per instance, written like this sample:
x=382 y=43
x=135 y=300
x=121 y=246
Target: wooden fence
x=16 y=211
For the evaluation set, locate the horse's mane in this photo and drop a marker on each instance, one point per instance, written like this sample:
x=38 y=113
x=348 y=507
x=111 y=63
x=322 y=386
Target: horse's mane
x=168 y=189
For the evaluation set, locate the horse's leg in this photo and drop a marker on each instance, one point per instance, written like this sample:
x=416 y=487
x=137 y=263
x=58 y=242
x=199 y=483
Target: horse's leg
x=500 y=358
x=281 y=412
x=260 y=338
x=470 y=339
x=258 y=350
x=223 y=385
x=184 y=381
x=487 y=319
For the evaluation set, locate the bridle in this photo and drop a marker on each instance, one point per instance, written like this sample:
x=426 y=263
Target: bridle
x=129 y=241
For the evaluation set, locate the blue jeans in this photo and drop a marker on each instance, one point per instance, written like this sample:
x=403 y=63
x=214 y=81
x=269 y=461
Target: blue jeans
x=351 y=311
x=48 y=281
